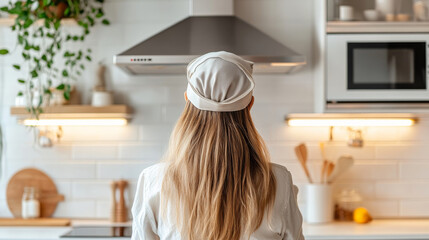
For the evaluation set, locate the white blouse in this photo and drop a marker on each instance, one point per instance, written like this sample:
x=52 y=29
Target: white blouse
x=286 y=219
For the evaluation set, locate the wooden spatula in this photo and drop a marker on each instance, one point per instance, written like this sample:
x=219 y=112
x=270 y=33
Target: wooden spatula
x=330 y=169
x=324 y=172
x=343 y=164
x=301 y=153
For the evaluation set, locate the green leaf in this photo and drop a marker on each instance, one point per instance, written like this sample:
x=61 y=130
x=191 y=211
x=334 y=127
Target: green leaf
x=4 y=9
x=20 y=94
x=26 y=56
x=88 y=58
x=65 y=73
x=46 y=2
x=66 y=95
x=61 y=86
x=99 y=14
x=4 y=51
x=28 y=22
x=17 y=67
x=75 y=38
x=90 y=20
x=57 y=25
x=82 y=67
x=36 y=48
x=20 y=39
x=105 y=22
x=67 y=11
x=21 y=80
x=27 y=46
x=34 y=74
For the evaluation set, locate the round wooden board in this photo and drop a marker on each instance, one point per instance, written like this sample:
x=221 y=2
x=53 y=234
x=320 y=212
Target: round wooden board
x=31 y=177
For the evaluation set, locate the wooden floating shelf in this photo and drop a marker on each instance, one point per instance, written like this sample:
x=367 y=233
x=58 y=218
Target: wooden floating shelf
x=9 y=21
x=76 y=111
x=376 y=27
x=34 y=222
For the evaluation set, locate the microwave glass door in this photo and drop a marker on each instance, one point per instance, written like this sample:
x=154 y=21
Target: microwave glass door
x=392 y=65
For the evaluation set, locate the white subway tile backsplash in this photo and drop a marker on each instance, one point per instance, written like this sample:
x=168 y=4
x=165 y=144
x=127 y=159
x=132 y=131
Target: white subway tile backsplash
x=140 y=151
x=34 y=152
x=403 y=151
x=364 y=189
x=281 y=151
x=68 y=170
x=76 y=209
x=97 y=152
x=64 y=188
x=91 y=190
x=414 y=208
x=103 y=209
x=371 y=171
x=414 y=171
x=402 y=190
x=382 y=208
x=124 y=170
x=333 y=152
x=155 y=133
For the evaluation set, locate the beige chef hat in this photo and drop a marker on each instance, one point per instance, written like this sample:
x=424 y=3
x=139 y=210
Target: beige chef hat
x=220 y=82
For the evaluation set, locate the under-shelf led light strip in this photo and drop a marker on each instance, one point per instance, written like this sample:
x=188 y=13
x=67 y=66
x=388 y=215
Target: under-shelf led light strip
x=355 y=122
x=76 y=122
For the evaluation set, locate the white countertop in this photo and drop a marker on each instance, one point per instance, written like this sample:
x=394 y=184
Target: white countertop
x=50 y=233
x=376 y=230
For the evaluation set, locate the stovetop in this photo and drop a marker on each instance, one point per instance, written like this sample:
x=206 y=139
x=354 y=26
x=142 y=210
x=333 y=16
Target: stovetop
x=98 y=232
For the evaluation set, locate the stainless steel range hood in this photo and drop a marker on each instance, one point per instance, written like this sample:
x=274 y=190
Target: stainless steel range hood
x=172 y=49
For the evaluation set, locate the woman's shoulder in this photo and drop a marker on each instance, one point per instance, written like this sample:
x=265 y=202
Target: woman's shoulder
x=152 y=174
x=281 y=173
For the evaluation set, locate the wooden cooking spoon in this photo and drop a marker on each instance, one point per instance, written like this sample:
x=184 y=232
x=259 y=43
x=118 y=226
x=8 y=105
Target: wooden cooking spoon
x=301 y=153
x=343 y=164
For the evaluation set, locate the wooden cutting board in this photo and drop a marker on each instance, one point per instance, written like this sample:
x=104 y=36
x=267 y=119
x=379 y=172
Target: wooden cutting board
x=34 y=222
x=31 y=177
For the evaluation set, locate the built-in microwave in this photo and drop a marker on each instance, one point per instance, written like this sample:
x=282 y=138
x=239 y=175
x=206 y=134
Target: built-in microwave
x=377 y=68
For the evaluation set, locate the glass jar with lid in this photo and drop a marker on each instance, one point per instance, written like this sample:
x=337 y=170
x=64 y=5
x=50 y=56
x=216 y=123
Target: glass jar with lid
x=30 y=205
x=345 y=203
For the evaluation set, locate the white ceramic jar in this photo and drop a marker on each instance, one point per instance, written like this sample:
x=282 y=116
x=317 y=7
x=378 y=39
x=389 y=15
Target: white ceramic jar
x=319 y=203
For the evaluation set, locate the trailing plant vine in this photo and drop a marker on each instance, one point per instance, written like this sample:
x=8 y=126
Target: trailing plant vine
x=48 y=60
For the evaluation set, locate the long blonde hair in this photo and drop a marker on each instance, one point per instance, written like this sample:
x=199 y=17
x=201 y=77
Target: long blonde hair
x=219 y=179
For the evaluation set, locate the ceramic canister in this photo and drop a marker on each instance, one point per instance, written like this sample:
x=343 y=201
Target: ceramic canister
x=320 y=205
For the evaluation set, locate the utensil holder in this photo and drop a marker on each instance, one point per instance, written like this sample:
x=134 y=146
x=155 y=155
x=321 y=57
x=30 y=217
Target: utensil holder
x=319 y=203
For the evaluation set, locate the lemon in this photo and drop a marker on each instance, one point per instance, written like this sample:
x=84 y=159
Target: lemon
x=361 y=215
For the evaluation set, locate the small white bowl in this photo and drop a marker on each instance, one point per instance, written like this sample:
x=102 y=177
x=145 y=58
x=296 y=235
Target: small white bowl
x=371 y=15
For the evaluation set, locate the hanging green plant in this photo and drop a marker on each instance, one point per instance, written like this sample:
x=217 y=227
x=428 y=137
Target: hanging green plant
x=42 y=40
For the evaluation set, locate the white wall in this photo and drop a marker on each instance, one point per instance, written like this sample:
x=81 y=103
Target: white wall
x=391 y=168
